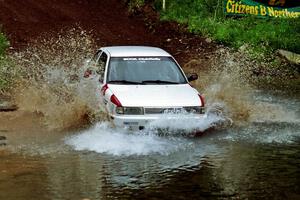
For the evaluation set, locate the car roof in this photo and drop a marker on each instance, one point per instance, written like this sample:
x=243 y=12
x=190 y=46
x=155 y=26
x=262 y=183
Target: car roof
x=134 y=51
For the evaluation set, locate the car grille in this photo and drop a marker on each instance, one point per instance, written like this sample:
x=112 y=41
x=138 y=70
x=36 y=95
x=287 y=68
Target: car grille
x=162 y=110
x=171 y=110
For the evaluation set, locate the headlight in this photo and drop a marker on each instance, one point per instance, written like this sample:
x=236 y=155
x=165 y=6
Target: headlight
x=195 y=109
x=130 y=110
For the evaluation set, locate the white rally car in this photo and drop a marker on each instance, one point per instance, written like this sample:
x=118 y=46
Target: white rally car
x=141 y=84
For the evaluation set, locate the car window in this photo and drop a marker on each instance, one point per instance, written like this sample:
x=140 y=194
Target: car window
x=145 y=69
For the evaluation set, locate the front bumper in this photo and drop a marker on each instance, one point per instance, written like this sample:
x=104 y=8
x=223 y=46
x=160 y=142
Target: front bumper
x=139 y=122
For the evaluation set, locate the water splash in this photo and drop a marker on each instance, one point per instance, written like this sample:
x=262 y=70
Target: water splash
x=162 y=136
x=185 y=125
x=227 y=85
x=52 y=83
x=119 y=142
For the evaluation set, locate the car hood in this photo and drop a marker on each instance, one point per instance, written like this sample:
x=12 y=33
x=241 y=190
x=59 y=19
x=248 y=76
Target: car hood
x=156 y=95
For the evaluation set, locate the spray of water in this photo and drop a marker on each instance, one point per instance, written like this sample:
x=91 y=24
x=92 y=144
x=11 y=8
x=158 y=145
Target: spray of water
x=51 y=85
x=183 y=124
x=227 y=86
x=102 y=138
x=258 y=117
x=51 y=82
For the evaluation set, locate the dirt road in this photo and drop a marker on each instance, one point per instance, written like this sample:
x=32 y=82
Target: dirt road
x=108 y=20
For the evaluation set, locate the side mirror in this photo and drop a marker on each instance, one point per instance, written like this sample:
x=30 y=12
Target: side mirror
x=192 y=77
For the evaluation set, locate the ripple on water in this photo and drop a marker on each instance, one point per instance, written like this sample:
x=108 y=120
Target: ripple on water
x=265 y=133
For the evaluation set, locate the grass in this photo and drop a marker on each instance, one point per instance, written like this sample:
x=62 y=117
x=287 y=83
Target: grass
x=6 y=67
x=206 y=18
x=3 y=44
x=134 y=4
x=8 y=74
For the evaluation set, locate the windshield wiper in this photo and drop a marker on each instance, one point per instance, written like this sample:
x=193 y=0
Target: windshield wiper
x=125 y=82
x=159 y=82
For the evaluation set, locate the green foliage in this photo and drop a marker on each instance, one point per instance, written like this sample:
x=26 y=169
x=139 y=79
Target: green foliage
x=3 y=44
x=6 y=69
x=205 y=17
x=134 y=4
x=8 y=73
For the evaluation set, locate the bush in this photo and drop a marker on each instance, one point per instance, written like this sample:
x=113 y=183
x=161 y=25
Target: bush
x=205 y=17
x=6 y=69
x=134 y=4
x=8 y=74
x=3 y=44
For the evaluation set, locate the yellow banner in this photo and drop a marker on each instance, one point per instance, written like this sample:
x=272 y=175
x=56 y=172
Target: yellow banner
x=249 y=7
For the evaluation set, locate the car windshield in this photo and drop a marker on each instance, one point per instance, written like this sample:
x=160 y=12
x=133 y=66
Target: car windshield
x=144 y=70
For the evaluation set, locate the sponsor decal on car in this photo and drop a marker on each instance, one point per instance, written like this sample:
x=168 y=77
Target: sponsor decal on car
x=142 y=59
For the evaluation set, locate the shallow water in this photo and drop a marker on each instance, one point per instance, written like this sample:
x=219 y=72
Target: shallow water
x=259 y=159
